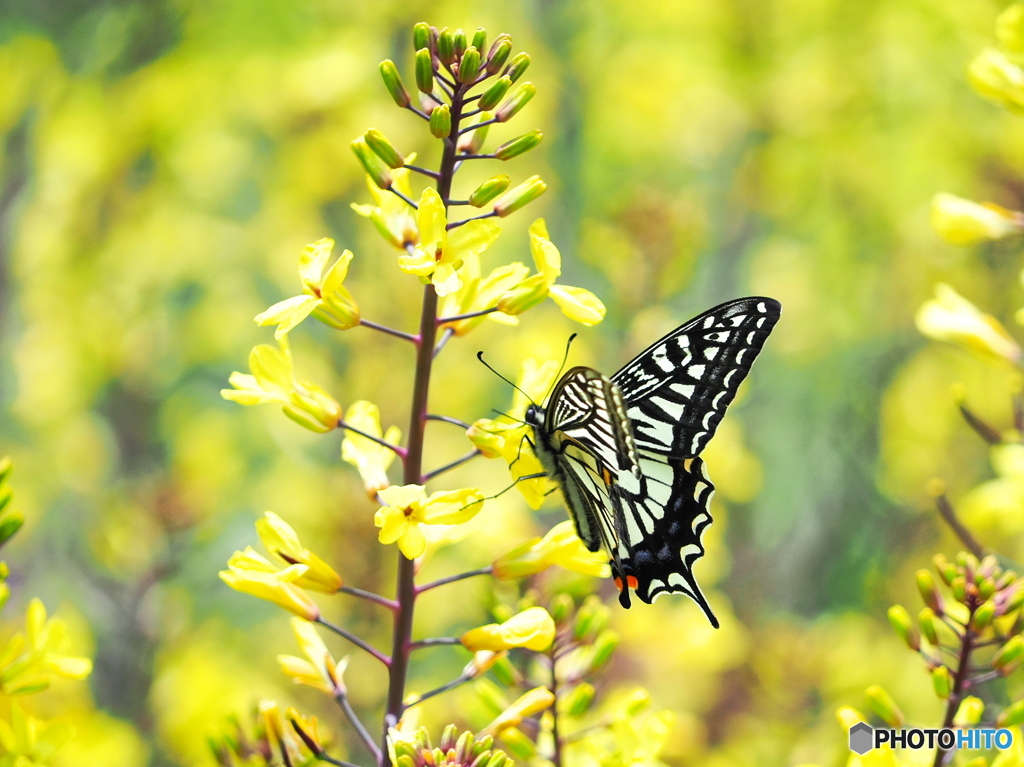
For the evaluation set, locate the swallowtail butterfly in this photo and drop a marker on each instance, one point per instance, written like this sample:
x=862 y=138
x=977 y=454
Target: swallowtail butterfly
x=626 y=450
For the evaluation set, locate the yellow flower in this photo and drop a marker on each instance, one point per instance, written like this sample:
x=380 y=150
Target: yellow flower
x=482 y=662
x=533 y=702
x=27 y=661
x=533 y=629
x=250 y=573
x=320 y=670
x=370 y=458
x=440 y=254
x=561 y=546
x=479 y=293
x=281 y=541
x=963 y=222
x=506 y=437
x=306 y=729
x=27 y=742
x=323 y=294
x=407 y=507
x=282 y=738
x=995 y=77
x=273 y=381
x=951 y=317
x=576 y=303
x=394 y=217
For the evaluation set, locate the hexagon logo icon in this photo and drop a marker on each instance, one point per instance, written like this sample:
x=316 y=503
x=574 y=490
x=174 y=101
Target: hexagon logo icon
x=861 y=738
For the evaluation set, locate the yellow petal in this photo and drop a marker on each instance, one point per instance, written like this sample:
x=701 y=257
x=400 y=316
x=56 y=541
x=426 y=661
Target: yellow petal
x=431 y=221
x=418 y=262
x=402 y=496
x=313 y=259
x=963 y=222
x=578 y=304
x=337 y=273
x=472 y=239
x=452 y=507
x=412 y=543
x=533 y=629
x=392 y=523
x=951 y=317
x=272 y=367
x=997 y=78
x=545 y=255
x=446 y=279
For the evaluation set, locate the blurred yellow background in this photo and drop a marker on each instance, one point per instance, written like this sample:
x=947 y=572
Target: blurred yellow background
x=165 y=162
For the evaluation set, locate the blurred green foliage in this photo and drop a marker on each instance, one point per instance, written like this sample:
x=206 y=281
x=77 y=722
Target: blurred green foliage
x=164 y=163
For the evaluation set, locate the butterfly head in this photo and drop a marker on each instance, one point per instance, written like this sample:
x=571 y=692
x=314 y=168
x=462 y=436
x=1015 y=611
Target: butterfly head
x=534 y=416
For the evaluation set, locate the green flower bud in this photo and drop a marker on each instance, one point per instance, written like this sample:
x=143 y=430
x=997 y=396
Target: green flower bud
x=900 y=620
x=422 y=740
x=313 y=408
x=946 y=569
x=5 y=496
x=483 y=744
x=498 y=759
x=498 y=55
x=517 y=66
x=448 y=738
x=561 y=606
x=526 y=295
x=471 y=141
x=459 y=41
x=1008 y=577
x=927 y=620
x=1012 y=715
x=487 y=191
x=929 y=594
x=637 y=702
x=986 y=588
x=421 y=36
x=446 y=47
x=424 y=71
x=969 y=713
x=983 y=616
x=479 y=38
x=393 y=82
x=959 y=588
x=495 y=93
x=1011 y=652
x=9 y=526
x=1013 y=599
x=989 y=566
x=462 y=746
x=383 y=148
x=604 y=647
x=6 y=466
x=883 y=705
x=519 y=99
x=405 y=761
x=519 y=196
x=469 y=66
x=405 y=748
x=441 y=121
x=519 y=145
x=579 y=700
x=942 y=681
x=372 y=164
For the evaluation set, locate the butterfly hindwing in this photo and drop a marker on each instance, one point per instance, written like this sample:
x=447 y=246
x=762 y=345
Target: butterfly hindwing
x=624 y=449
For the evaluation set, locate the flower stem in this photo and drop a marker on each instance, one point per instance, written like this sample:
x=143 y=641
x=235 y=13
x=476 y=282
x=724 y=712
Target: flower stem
x=960 y=684
x=360 y=643
x=556 y=740
x=454 y=578
x=396 y=449
x=358 y=725
x=438 y=690
x=369 y=596
x=420 y=644
x=413 y=459
x=448 y=419
x=456 y=224
x=449 y=466
x=389 y=331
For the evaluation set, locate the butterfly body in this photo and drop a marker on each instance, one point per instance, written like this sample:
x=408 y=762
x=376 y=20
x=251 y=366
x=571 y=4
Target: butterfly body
x=625 y=450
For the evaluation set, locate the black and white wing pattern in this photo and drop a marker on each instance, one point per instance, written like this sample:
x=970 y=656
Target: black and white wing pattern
x=625 y=450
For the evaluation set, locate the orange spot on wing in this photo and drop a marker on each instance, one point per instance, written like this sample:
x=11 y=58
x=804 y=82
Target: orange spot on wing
x=618 y=583
x=631 y=581
x=606 y=476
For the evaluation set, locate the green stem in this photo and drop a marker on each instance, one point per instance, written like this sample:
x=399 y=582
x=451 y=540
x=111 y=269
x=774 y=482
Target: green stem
x=960 y=679
x=413 y=460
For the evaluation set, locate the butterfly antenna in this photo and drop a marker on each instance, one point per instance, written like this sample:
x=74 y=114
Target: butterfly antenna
x=558 y=375
x=480 y=356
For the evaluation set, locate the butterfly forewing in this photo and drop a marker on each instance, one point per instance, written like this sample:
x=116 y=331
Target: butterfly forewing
x=677 y=390
x=624 y=449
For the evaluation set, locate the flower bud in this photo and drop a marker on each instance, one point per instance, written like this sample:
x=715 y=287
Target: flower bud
x=579 y=700
x=899 y=618
x=983 y=616
x=926 y=619
x=518 y=744
x=561 y=605
x=338 y=309
x=959 y=588
x=636 y=702
x=306 y=730
x=495 y=93
x=943 y=566
x=883 y=705
x=421 y=36
x=942 y=681
x=1014 y=600
x=446 y=47
x=441 y=121
x=313 y=408
x=518 y=145
x=526 y=295
x=488 y=190
x=404 y=760
x=449 y=738
x=479 y=38
x=459 y=42
x=1011 y=652
x=484 y=743
x=6 y=494
x=516 y=102
x=1012 y=715
x=959 y=221
x=424 y=71
x=517 y=66
x=6 y=466
x=504 y=671
x=1008 y=577
x=929 y=594
x=469 y=65
x=10 y=525
x=519 y=196
x=375 y=168
x=969 y=713
x=986 y=588
x=498 y=55
x=383 y=148
x=393 y=82
x=604 y=647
